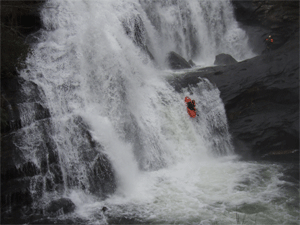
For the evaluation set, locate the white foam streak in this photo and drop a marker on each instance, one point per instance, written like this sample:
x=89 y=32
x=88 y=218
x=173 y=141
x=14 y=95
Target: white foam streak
x=197 y=30
x=119 y=152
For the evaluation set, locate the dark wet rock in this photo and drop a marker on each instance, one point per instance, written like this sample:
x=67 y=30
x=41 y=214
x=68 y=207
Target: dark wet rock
x=191 y=62
x=100 y=172
x=22 y=14
x=260 y=18
x=267 y=13
x=14 y=101
x=23 y=112
x=291 y=155
x=21 y=173
x=104 y=209
x=177 y=62
x=64 y=205
x=14 y=195
x=30 y=128
x=224 y=59
x=101 y=177
x=18 y=20
x=135 y=29
x=261 y=97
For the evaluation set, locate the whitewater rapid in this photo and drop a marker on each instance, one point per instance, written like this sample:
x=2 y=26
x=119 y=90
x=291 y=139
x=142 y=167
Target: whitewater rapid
x=92 y=63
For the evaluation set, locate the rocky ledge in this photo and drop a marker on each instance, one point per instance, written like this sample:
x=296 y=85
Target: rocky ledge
x=261 y=97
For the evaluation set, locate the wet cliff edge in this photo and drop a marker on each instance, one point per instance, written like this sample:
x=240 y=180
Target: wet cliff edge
x=261 y=98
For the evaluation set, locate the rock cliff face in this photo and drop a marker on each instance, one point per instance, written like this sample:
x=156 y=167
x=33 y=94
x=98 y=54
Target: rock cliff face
x=272 y=100
x=18 y=20
x=30 y=162
x=260 y=18
x=261 y=95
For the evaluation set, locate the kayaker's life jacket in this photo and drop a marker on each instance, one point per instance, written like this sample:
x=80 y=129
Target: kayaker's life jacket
x=191 y=106
x=269 y=40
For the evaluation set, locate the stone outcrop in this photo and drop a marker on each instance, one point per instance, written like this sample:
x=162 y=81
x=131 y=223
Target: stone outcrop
x=22 y=110
x=260 y=18
x=30 y=129
x=62 y=205
x=30 y=164
x=176 y=61
x=261 y=97
x=224 y=59
x=191 y=62
x=19 y=19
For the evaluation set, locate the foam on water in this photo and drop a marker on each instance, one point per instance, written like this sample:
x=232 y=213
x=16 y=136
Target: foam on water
x=204 y=192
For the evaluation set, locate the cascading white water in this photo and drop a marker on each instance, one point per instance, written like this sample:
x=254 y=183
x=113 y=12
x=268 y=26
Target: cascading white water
x=93 y=65
x=196 y=29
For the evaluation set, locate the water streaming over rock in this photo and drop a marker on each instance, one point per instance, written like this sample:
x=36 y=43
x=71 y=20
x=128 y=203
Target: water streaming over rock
x=118 y=134
x=197 y=30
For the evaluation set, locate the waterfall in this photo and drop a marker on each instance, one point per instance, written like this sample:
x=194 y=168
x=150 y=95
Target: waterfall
x=108 y=101
x=197 y=30
x=117 y=133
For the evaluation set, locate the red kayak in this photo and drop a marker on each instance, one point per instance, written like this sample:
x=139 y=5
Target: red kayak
x=191 y=107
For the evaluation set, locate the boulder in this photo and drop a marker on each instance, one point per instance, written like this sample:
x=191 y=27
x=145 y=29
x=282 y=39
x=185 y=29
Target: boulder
x=224 y=59
x=177 y=62
x=191 y=62
x=64 y=205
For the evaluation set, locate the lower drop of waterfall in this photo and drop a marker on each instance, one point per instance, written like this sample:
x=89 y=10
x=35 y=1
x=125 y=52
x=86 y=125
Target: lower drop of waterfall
x=120 y=136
